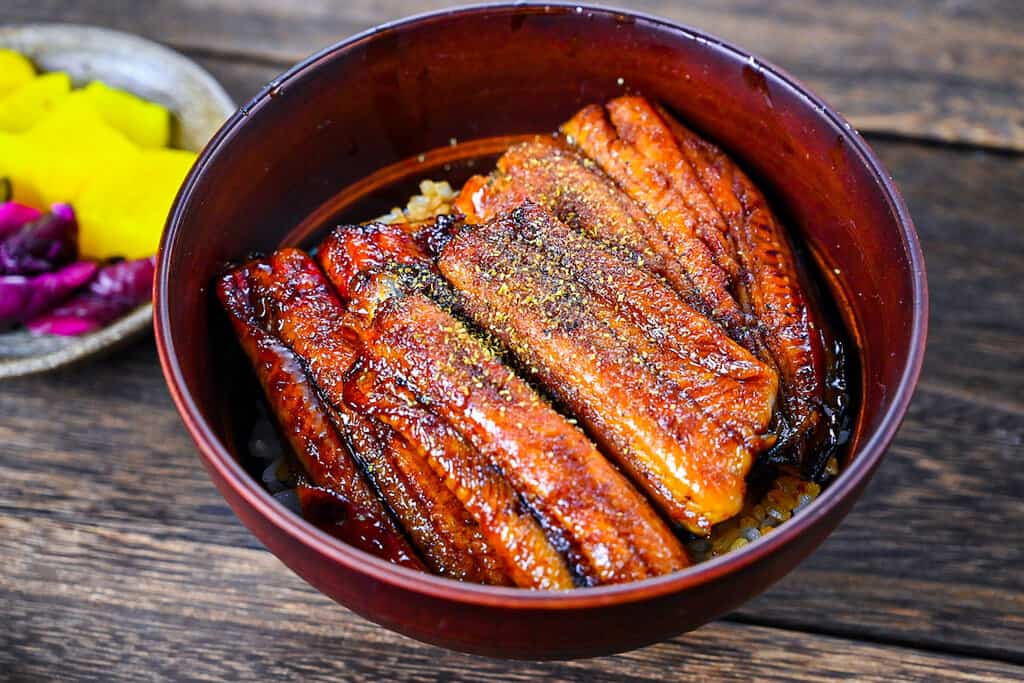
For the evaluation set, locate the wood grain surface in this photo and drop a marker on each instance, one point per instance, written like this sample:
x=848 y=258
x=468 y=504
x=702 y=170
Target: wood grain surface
x=925 y=69
x=121 y=561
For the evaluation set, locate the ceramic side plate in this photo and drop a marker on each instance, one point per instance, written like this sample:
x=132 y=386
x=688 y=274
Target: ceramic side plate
x=156 y=73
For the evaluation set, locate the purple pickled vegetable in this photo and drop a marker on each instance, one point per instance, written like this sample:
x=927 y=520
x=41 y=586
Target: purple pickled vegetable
x=129 y=280
x=24 y=297
x=14 y=215
x=41 y=245
x=117 y=289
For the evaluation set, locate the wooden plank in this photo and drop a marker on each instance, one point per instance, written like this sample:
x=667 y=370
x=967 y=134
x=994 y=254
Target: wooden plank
x=923 y=560
x=966 y=207
x=86 y=602
x=939 y=71
x=930 y=556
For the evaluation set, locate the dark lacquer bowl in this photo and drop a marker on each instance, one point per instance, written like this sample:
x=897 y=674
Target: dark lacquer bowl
x=405 y=88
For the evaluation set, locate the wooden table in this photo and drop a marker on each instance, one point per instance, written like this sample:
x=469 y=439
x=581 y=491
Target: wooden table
x=120 y=560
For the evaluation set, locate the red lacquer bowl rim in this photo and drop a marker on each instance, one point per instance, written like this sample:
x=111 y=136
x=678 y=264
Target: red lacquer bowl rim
x=220 y=461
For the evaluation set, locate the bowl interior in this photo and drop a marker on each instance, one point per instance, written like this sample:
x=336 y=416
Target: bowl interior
x=405 y=89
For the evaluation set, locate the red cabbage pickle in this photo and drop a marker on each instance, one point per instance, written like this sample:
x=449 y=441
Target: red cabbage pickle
x=117 y=289
x=14 y=215
x=23 y=297
x=41 y=245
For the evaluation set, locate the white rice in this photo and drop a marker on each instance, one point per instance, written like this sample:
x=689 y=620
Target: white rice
x=435 y=199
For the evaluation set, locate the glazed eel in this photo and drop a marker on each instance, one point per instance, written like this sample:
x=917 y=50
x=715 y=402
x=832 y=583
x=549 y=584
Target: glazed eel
x=682 y=407
x=708 y=290
x=294 y=302
x=336 y=496
x=548 y=172
x=678 y=404
x=610 y=533
x=350 y=256
x=694 y=188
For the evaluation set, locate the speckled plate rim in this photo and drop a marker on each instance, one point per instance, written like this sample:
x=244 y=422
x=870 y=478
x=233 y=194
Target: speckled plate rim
x=61 y=352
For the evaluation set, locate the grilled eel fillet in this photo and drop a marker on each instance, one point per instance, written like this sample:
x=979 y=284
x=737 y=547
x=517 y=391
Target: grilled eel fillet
x=377 y=390
x=612 y=534
x=678 y=404
x=353 y=249
x=294 y=301
x=738 y=220
x=708 y=290
x=338 y=496
x=510 y=528
x=496 y=413
x=548 y=172
x=775 y=291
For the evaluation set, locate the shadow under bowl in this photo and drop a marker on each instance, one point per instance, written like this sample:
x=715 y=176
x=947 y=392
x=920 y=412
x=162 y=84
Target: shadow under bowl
x=405 y=88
